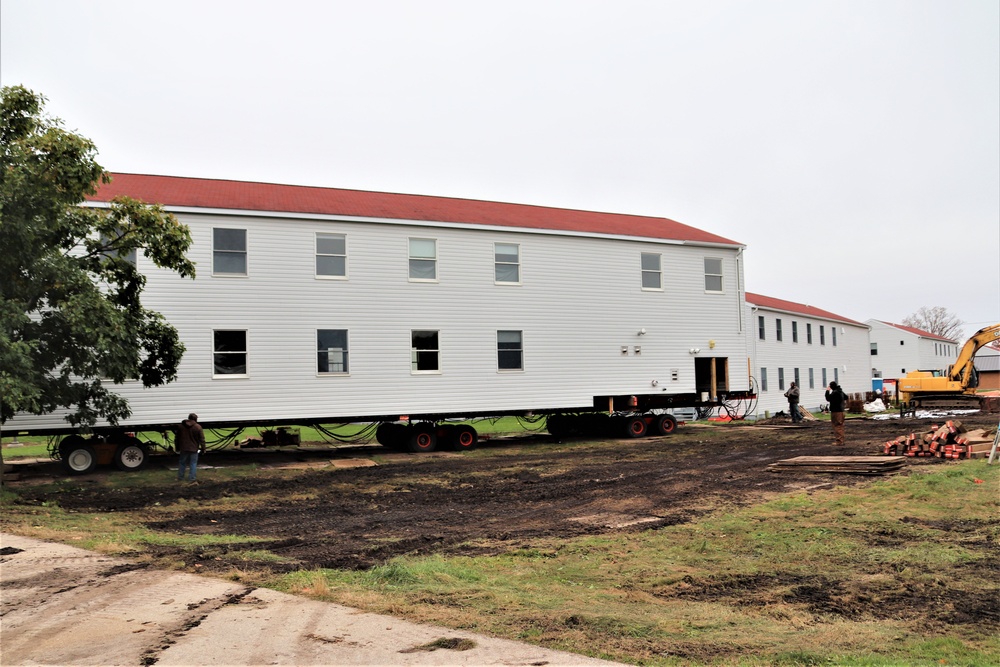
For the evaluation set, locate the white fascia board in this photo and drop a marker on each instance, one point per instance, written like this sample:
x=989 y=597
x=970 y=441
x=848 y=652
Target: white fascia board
x=797 y=313
x=423 y=223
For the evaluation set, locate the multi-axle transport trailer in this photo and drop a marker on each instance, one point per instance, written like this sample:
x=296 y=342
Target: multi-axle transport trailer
x=317 y=306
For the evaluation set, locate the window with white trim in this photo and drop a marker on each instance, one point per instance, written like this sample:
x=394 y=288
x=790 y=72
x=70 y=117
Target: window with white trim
x=781 y=379
x=423 y=260
x=713 y=274
x=331 y=255
x=795 y=331
x=424 y=352
x=777 y=329
x=507 y=263
x=760 y=327
x=510 y=351
x=229 y=352
x=331 y=351
x=833 y=336
x=763 y=379
x=651 y=271
x=229 y=251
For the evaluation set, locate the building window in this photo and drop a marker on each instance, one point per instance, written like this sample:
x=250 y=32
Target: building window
x=229 y=251
x=822 y=335
x=812 y=379
x=795 y=373
x=424 y=352
x=874 y=349
x=763 y=379
x=229 y=352
x=833 y=336
x=510 y=352
x=781 y=379
x=423 y=259
x=331 y=255
x=131 y=256
x=836 y=374
x=760 y=327
x=331 y=351
x=713 y=274
x=651 y=271
x=795 y=331
x=824 y=377
x=777 y=329
x=507 y=263
x=809 y=333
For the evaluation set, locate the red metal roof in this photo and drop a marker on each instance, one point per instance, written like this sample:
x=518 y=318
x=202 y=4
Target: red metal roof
x=171 y=191
x=920 y=332
x=801 y=308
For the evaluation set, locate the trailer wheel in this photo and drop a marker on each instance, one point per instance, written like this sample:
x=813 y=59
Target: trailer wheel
x=131 y=456
x=463 y=438
x=68 y=444
x=666 y=424
x=556 y=425
x=422 y=438
x=635 y=427
x=79 y=458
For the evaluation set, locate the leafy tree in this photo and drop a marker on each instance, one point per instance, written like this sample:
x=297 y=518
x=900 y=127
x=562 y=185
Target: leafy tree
x=936 y=320
x=71 y=319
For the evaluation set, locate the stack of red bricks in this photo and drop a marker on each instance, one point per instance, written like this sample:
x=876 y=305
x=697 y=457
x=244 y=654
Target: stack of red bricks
x=950 y=441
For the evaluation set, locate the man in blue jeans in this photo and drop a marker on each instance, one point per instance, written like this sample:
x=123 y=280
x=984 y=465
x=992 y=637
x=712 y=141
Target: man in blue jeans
x=793 y=403
x=190 y=442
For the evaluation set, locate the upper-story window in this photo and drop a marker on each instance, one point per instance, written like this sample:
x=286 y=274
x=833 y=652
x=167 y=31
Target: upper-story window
x=230 y=353
x=777 y=329
x=713 y=274
x=833 y=336
x=795 y=331
x=651 y=272
x=229 y=251
x=809 y=333
x=510 y=351
x=331 y=255
x=331 y=351
x=424 y=352
x=423 y=259
x=507 y=263
x=131 y=256
x=760 y=327
x=874 y=349
x=822 y=335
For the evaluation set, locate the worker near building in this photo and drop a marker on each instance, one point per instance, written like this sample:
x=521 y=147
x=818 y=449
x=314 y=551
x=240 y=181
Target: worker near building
x=838 y=401
x=793 y=403
x=189 y=442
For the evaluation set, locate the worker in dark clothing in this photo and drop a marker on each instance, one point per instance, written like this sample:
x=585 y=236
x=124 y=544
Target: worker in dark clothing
x=189 y=442
x=793 y=403
x=838 y=402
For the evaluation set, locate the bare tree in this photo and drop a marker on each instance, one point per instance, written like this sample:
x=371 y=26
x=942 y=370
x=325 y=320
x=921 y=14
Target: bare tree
x=936 y=320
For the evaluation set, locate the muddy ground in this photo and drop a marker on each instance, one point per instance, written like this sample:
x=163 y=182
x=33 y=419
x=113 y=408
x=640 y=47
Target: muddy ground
x=355 y=517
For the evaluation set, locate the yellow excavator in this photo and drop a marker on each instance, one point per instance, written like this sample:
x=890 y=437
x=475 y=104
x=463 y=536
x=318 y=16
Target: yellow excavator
x=956 y=388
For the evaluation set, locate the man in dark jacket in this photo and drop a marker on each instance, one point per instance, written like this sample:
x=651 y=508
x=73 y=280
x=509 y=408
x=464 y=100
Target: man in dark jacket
x=793 y=403
x=838 y=401
x=190 y=442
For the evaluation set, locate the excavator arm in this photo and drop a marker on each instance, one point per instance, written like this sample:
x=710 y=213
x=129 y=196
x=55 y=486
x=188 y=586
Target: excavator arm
x=963 y=370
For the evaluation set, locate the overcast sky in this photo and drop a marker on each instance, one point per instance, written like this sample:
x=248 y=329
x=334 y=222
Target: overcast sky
x=852 y=145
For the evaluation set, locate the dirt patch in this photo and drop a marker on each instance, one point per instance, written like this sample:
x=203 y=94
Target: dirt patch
x=325 y=515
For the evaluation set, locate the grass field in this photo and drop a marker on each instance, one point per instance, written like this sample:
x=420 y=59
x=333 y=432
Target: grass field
x=630 y=596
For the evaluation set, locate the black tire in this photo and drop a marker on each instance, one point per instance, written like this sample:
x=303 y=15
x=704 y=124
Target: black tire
x=463 y=438
x=665 y=424
x=68 y=444
x=79 y=459
x=556 y=425
x=422 y=438
x=131 y=455
x=635 y=427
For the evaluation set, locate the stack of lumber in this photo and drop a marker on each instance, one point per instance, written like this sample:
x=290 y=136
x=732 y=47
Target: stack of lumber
x=949 y=441
x=857 y=465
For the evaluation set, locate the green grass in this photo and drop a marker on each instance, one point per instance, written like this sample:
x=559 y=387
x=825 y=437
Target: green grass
x=723 y=590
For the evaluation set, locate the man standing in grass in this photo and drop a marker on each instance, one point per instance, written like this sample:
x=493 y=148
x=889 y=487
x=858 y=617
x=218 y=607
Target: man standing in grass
x=190 y=442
